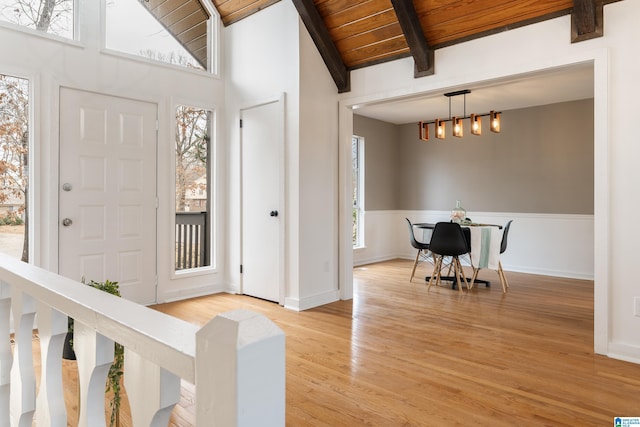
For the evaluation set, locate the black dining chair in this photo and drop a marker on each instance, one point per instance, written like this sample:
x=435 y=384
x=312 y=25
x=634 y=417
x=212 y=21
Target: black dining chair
x=448 y=240
x=422 y=247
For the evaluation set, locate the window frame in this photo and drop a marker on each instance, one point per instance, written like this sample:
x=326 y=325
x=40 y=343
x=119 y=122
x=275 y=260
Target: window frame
x=212 y=193
x=358 y=173
x=213 y=45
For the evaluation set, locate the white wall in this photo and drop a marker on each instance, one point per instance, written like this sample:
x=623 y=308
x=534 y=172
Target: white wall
x=547 y=244
x=531 y=49
x=51 y=63
x=267 y=54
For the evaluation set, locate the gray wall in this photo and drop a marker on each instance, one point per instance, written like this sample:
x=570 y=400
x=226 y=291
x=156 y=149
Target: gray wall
x=541 y=162
x=382 y=158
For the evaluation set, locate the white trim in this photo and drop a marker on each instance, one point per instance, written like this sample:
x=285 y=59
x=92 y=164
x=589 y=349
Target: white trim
x=599 y=58
x=301 y=304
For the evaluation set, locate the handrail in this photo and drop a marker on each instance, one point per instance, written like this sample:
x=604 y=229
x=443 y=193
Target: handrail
x=177 y=350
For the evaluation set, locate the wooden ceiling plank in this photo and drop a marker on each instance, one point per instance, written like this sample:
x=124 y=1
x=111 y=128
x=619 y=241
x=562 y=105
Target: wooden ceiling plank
x=182 y=12
x=440 y=29
x=586 y=20
x=388 y=49
x=192 y=32
x=364 y=25
x=320 y=36
x=423 y=56
x=247 y=11
x=361 y=11
x=235 y=5
x=191 y=21
x=167 y=7
x=370 y=37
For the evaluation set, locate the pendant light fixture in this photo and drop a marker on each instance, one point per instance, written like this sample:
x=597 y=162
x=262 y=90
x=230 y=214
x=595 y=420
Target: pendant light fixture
x=457 y=121
x=476 y=124
x=495 y=121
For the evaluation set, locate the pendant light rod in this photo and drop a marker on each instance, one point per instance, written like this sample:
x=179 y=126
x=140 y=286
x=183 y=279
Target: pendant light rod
x=464 y=117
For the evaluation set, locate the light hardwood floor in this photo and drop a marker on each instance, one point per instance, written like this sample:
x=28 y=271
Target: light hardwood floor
x=398 y=355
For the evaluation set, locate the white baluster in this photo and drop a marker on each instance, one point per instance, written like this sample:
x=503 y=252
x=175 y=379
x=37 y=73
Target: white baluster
x=5 y=353
x=94 y=353
x=52 y=328
x=152 y=391
x=240 y=371
x=23 y=380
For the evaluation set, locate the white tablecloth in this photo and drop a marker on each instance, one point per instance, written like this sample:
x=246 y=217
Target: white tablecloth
x=485 y=247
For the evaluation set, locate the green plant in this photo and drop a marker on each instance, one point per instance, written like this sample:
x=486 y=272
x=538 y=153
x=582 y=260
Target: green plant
x=117 y=367
x=11 y=218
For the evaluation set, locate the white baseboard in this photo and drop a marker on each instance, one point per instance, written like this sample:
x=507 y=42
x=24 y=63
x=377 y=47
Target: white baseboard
x=628 y=353
x=302 y=304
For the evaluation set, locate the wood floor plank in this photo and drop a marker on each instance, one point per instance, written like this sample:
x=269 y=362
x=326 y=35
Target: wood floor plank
x=398 y=355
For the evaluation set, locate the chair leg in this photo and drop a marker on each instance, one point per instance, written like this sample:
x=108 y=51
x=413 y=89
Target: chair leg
x=415 y=264
x=503 y=278
x=466 y=282
x=436 y=271
x=457 y=269
x=475 y=275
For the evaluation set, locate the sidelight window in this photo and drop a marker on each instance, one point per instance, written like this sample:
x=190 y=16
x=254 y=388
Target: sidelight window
x=357 y=189
x=14 y=166
x=193 y=226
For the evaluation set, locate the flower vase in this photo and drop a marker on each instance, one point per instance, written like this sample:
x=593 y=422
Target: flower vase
x=458 y=214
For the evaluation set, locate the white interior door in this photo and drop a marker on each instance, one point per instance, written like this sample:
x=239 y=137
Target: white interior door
x=263 y=200
x=107 y=192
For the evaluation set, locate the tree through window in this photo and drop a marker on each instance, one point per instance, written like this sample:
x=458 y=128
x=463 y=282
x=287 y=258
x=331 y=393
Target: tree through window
x=14 y=170
x=48 y=16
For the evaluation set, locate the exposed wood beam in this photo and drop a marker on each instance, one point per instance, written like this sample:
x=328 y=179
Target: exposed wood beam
x=586 y=20
x=423 y=56
x=327 y=48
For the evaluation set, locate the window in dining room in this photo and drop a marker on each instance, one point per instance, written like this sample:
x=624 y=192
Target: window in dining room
x=357 y=189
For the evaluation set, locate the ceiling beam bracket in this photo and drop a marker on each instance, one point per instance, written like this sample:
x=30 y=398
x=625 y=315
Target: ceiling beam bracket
x=586 y=20
x=327 y=48
x=423 y=55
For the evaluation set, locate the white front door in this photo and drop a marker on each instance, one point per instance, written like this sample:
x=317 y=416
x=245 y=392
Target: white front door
x=263 y=200
x=107 y=192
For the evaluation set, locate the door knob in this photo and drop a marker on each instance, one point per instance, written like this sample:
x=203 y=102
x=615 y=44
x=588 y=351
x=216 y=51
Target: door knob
x=273 y=213
x=66 y=186
x=67 y=222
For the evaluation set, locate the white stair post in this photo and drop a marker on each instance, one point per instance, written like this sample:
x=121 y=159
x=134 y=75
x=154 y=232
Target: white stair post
x=50 y=406
x=94 y=353
x=240 y=371
x=23 y=380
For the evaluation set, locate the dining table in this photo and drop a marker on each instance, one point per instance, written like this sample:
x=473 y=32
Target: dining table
x=484 y=242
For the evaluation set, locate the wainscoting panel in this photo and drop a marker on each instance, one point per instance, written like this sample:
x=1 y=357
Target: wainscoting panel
x=547 y=244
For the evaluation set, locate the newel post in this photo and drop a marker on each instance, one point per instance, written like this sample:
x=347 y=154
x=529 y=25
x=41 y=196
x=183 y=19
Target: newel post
x=240 y=371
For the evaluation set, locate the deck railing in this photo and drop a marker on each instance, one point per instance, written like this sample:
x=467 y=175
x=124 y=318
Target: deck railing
x=236 y=361
x=191 y=240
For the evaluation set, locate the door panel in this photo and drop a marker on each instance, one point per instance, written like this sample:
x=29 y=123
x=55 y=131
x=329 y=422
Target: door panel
x=262 y=206
x=108 y=191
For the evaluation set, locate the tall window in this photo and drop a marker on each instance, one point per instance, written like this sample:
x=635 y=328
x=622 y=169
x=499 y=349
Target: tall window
x=357 y=158
x=154 y=31
x=48 y=16
x=193 y=190
x=14 y=169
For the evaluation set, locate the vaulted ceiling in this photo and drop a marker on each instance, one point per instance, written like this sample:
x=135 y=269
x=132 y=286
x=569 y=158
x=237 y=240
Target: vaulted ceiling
x=352 y=34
